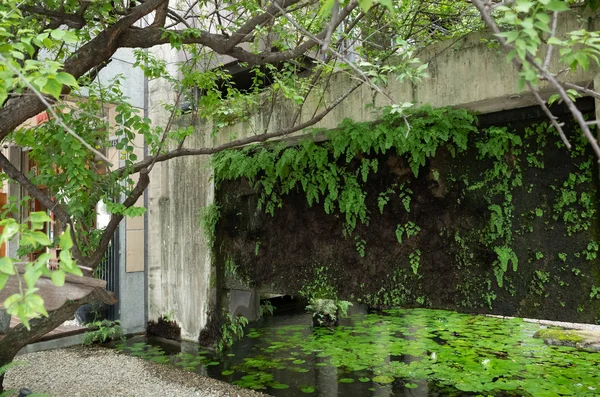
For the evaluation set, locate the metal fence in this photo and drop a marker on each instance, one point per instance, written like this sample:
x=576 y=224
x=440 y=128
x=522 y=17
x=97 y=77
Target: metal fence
x=108 y=270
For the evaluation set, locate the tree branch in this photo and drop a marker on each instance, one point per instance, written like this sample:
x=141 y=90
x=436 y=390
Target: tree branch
x=248 y=27
x=97 y=50
x=51 y=205
x=544 y=74
x=180 y=152
x=115 y=220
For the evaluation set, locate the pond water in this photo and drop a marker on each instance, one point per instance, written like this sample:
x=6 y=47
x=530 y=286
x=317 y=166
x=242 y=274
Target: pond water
x=415 y=352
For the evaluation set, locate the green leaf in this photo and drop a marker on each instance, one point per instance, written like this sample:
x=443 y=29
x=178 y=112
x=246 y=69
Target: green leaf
x=387 y=4
x=365 y=5
x=41 y=238
x=326 y=8
x=31 y=277
x=3 y=280
x=557 y=5
x=52 y=87
x=10 y=229
x=38 y=219
x=36 y=304
x=553 y=98
x=6 y=266
x=509 y=36
x=583 y=60
x=523 y=6
x=57 y=34
x=65 y=241
x=58 y=278
x=66 y=79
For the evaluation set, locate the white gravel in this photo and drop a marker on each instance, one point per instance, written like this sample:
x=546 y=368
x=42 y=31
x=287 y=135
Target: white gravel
x=85 y=371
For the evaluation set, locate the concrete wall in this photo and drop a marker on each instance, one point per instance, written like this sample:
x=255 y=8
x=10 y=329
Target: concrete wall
x=464 y=73
x=179 y=263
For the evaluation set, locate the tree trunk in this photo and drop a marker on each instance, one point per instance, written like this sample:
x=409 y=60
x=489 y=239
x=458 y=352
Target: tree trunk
x=18 y=337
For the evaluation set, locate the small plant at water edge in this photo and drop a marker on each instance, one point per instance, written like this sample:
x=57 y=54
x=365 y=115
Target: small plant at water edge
x=326 y=311
x=266 y=309
x=102 y=331
x=232 y=329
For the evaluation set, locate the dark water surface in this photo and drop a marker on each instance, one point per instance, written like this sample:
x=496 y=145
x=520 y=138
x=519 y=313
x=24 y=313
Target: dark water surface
x=414 y=352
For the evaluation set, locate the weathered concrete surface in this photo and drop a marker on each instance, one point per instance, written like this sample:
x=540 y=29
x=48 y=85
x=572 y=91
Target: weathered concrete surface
x=464 y=73
x=244 y=303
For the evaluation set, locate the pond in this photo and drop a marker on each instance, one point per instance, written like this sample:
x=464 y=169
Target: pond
x=412 y=352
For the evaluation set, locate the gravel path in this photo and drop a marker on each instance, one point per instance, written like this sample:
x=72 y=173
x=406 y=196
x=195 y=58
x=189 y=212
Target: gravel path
x=89 y=371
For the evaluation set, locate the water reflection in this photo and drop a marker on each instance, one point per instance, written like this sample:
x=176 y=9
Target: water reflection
x=401 y=353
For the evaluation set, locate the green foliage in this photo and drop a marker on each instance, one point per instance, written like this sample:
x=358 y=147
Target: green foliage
x=410 y=229
x=169 y=316
x=209 y=216
x=318 y=286
x=102 y=332
x=326 y=311
x=27 y=304
x=573 y=206
x=415 y=261
x=266 y=309
x=232 y=329
x=324 y=172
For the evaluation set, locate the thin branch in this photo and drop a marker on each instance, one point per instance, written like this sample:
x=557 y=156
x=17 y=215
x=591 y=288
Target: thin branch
x=260 y=19
x=51 y=110
x=352 y=66
x=553 y=119
x=44 y=199
x=552 y=35
x=581 y=89
x=544 y=74
x=334 y=14
x=239 y=142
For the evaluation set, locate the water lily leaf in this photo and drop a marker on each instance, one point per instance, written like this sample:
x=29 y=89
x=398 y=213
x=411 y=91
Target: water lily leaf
x=307 y=389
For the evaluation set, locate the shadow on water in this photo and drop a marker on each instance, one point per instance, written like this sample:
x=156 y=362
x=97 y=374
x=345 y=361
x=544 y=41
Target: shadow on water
x=397 y=353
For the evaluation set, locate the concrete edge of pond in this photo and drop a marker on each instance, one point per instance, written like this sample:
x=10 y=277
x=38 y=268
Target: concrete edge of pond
x=579 y=335
x=552 y=323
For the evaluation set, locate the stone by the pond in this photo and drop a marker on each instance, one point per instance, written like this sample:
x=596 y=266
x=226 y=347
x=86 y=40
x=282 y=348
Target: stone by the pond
x=584 y=339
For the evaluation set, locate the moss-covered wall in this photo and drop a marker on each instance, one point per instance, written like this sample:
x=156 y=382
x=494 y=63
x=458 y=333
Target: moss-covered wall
x=507 y=223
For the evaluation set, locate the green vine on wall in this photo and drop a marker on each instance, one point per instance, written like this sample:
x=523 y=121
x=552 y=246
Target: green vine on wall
x=335 y=174
x=323 y=171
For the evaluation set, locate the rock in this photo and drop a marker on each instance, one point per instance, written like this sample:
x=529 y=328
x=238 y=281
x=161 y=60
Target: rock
x=583 y=339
